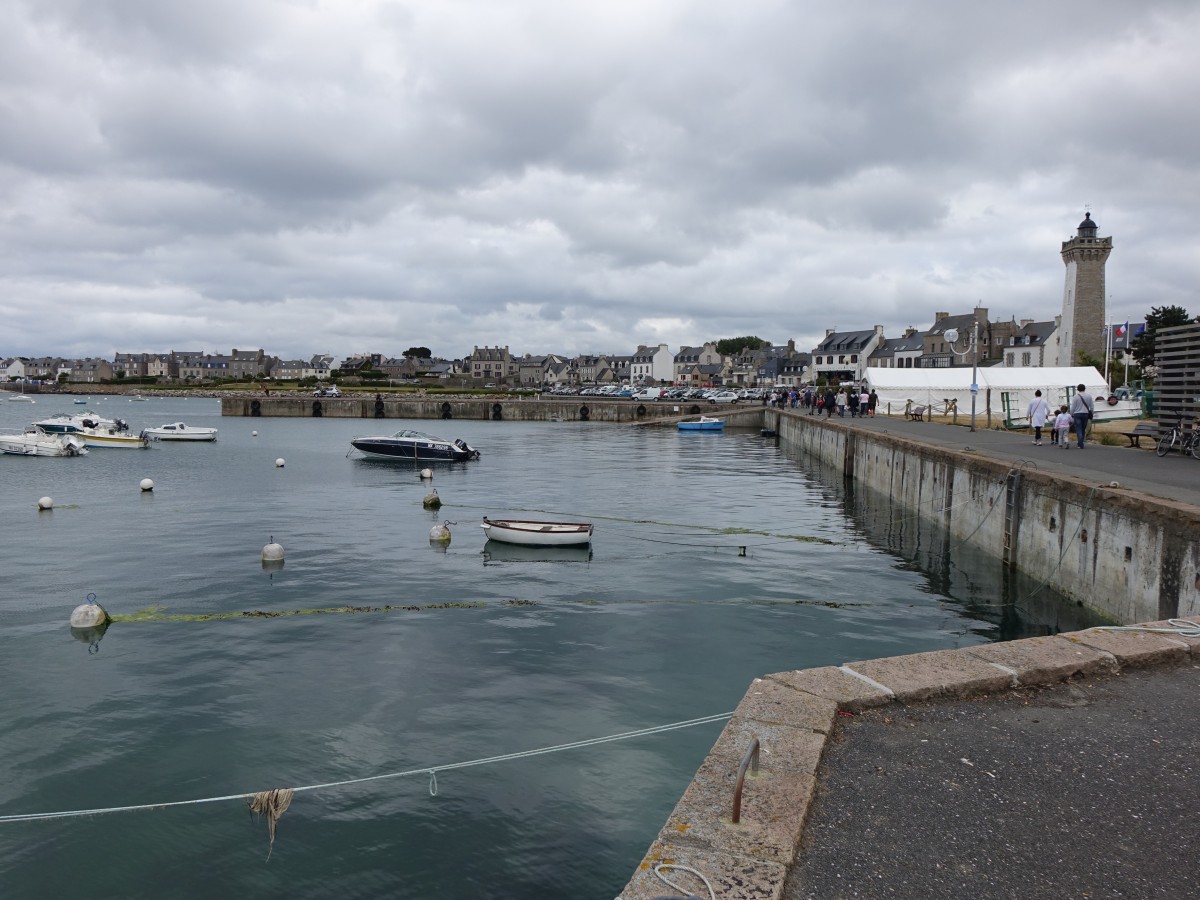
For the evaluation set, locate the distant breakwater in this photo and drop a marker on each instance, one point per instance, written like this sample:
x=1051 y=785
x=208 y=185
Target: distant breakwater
x=488 y=408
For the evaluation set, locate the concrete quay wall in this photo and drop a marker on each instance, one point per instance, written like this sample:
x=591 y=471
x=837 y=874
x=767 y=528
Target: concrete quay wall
x=1130 y=557
x=493 y=408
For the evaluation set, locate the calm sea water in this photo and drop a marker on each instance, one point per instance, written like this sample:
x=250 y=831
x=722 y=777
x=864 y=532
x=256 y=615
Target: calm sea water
x=666 y=621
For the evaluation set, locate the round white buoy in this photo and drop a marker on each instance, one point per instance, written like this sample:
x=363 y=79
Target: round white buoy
x=90 y=614
x=272 y=551
x=432 y=500
x=440 y=534
x=279 y=463
x=426 y=473
x=45 y=503
x=254 y=434
x=146 y=484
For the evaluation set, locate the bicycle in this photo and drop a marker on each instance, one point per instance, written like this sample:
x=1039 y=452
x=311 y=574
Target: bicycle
x=1189 y=441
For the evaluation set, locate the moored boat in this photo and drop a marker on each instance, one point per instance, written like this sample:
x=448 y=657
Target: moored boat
x=112 y=438
x=72 y=423
x=409 y=444
x=177 y=431
x=704 y=423
x=533 y=533
x=36 y=442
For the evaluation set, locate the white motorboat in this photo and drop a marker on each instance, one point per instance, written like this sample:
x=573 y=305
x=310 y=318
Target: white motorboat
x=533 y=533
x=72 y=423
x=35 y=442
x=177 y=431
x=409 y=444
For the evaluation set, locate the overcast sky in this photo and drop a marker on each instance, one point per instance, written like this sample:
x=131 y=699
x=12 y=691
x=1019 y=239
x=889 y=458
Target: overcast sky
x=572 y=176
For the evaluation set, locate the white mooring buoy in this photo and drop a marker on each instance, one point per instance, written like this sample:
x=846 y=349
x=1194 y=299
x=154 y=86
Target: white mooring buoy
x=272 y=552
x=254 y=434
x=45 y=503
x=279 y=463
x=432 y=500
x=147 y=485
x=89 y=615
x=440 y=534
x=426 y=474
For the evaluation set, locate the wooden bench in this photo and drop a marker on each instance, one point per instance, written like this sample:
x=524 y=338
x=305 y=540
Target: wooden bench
x=917 y=414
x=1141 y=430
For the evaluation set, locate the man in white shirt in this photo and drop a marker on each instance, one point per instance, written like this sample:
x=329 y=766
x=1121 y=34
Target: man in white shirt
x=1082 y=410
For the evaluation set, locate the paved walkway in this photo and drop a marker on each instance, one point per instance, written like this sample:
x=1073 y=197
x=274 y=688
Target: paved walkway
x=1175 y=477
x=1084 y=789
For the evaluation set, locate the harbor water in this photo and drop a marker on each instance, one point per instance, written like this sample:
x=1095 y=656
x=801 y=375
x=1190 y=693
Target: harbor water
x=716 y=559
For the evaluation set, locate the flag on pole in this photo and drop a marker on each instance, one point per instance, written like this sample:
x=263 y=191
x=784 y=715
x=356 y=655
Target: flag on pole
x=1122 y=330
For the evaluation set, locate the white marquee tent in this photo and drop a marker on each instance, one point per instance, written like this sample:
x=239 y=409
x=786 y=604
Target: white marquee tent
x=934 y=387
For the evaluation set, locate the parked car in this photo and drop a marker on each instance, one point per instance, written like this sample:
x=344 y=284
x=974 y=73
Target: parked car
x=648 y=394
x=331 y=391
x=723 y=397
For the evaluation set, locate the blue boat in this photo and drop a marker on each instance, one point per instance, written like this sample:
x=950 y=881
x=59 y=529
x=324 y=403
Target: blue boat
x=705 y=423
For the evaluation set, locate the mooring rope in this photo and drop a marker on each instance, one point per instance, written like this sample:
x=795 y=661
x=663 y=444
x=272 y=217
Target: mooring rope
x=1181 y=627
x=424 y=770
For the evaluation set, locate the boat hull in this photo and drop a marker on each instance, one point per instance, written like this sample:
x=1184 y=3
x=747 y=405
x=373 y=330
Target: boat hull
x=113 y=440
x=180 y=432
x=416 y=446
x=531 y=533
x=42 y=445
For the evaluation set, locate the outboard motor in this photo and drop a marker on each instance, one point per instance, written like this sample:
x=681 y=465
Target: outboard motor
x=121 y=424
x=466 y=448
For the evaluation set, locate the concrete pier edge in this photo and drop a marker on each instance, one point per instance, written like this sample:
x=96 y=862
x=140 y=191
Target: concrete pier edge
x=793 y=715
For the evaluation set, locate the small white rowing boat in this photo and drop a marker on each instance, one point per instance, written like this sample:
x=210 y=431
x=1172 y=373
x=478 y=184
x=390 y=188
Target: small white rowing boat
x=533 y=533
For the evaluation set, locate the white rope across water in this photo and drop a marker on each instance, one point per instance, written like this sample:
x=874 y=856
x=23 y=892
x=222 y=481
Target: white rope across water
x=431 y=771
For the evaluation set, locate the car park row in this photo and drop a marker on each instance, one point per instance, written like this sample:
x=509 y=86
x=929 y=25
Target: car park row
x=613 y=392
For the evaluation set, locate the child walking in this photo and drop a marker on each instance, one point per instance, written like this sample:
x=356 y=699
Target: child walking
x=1062 y=427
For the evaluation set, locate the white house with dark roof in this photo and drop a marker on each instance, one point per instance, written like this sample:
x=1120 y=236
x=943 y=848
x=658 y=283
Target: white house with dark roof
x=843 y=355
x=1033 y=344
x=651 y=365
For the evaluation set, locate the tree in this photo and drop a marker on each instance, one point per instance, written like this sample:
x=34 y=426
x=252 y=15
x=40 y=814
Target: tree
x=1142 y=347
x=735 y=345
x=417 y=353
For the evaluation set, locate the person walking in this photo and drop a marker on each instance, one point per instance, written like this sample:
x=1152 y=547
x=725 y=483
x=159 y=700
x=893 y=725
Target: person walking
x=1039 y=410
x=1062 y=428
x=1082 y=411
x=872 y=401
x=852 y=400
x=841 y=400
x=830 y=400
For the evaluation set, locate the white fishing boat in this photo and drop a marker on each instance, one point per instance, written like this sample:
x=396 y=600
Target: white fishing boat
x=177 y=431
x=113 y=439
x=35 y=442
x=533 y=533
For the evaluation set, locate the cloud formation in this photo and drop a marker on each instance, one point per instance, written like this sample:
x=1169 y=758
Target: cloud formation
x=364 y=176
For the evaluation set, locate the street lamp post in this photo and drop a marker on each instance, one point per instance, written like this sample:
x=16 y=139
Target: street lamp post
x=973 y=349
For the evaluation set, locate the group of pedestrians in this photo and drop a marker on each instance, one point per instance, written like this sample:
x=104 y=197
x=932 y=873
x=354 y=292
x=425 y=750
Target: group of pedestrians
x=1062 y=420
x=860 y=403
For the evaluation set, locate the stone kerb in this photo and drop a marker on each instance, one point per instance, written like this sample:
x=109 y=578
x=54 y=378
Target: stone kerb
x=793 y=713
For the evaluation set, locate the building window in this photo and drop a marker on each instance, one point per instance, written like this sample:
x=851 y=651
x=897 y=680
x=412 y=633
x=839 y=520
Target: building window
x=1026 y=359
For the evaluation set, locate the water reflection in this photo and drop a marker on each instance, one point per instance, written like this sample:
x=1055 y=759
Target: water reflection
x=1013 y=604
x=499 y=552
